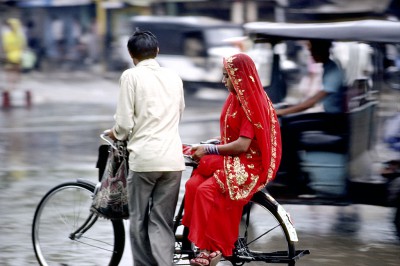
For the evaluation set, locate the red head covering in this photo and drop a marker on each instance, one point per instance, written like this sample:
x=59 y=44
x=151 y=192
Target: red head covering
x=259 y=110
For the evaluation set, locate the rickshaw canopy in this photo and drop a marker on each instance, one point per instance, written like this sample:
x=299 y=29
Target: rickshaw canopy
x=383 y=31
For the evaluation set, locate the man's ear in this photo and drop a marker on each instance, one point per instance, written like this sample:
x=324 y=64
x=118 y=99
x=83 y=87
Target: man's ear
x=158 y=50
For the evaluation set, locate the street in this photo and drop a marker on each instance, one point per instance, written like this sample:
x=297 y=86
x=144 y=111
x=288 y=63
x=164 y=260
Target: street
x=56 y=140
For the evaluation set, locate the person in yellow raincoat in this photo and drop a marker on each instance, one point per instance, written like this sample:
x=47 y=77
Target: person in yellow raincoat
x=14 y=43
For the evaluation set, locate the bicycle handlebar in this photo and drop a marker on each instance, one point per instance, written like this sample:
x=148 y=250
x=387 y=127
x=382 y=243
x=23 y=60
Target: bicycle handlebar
x=104 y=136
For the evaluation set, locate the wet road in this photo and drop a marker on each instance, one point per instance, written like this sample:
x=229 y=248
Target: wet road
x=56 y=140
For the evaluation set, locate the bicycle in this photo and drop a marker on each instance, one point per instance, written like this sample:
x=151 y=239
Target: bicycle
x=266 y=233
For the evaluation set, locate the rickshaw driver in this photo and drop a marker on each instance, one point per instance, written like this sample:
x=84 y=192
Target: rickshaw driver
x=333 y=119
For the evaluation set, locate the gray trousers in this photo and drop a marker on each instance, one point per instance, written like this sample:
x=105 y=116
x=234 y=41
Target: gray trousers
x=152 y=201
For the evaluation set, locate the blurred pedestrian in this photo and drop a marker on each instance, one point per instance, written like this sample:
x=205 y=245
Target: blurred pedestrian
x=34 y=43
x=332 y=93
x=149 y=109
x=14 y=43
x=294 y=121
x=76 y=30
x=57 y=31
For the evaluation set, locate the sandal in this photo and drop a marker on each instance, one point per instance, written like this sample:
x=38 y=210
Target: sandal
x=214 y=257
x=202 y=259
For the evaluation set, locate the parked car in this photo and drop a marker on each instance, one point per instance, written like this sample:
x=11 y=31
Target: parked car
x=193 y=46
x=342 y=176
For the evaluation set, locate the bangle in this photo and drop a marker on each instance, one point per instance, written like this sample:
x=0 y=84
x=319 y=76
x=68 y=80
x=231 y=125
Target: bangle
x=211 y=149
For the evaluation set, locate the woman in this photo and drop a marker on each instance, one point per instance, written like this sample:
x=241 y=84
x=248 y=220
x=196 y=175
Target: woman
x=14 y=44
x=230 y=173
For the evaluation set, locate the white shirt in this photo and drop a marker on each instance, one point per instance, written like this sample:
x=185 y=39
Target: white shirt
x=149 y=109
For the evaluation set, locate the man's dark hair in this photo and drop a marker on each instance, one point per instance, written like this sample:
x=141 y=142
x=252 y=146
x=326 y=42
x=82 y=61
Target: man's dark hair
x=322 y=46
x=142 y=45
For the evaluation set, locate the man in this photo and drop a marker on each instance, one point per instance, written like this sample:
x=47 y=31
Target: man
x=149 y=109
x=332 y=93
x=333 y=119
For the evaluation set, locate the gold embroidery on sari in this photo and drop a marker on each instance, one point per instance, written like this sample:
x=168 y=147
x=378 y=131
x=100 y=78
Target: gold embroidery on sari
x=237 y=193
x=226 y=123
x=237 y=178
x=240 y=170
x=274 y=143
x=219 y=182
x=258 y=125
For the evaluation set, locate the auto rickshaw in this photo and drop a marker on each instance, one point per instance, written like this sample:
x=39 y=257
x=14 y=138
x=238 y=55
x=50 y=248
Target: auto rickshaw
x=346 y=175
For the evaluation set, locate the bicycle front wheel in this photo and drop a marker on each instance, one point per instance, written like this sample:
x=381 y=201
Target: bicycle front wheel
x=265 y=234
x=66 y=232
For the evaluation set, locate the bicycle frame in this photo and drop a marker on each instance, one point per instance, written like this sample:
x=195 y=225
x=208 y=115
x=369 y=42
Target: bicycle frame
x=89 y=221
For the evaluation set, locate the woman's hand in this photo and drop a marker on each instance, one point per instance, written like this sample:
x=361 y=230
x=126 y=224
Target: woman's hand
x=236 y=147
x=199 y=151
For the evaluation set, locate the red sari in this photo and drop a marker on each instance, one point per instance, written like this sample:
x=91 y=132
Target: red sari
x=222 y=185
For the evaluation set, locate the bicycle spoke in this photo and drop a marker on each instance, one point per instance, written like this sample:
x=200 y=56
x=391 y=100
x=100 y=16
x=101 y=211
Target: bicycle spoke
x=278 y=225
x=95 y=240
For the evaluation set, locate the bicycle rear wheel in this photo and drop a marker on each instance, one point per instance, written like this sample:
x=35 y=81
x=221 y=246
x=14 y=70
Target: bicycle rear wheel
x=57 y=239
x=265 y=235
